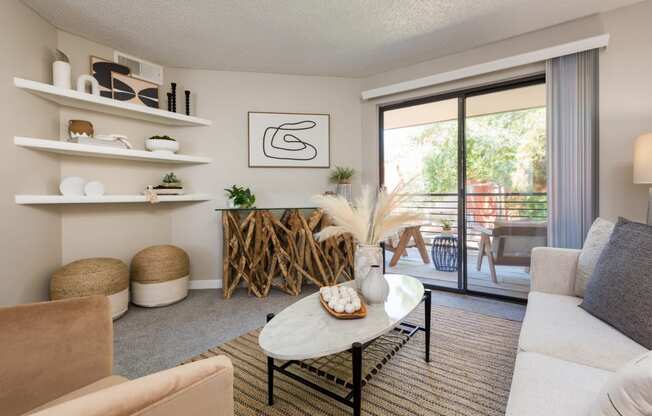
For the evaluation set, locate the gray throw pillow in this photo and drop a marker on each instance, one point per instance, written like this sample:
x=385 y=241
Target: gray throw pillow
x=596 y=239
x=620 y=290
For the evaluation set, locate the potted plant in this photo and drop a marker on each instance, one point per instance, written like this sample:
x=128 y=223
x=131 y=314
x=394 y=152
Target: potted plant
x=446 y=226
x=341 y=177
x=239 y=197
x=162 y=144
x=170 y=180
x=374 y=218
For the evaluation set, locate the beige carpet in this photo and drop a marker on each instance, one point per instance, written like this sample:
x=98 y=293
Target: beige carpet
x=472 y=359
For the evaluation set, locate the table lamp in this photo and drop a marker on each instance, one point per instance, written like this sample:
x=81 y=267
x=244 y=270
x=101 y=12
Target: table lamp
x=643 y=167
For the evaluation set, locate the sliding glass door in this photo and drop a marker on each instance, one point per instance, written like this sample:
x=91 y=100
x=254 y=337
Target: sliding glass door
x=477 y=165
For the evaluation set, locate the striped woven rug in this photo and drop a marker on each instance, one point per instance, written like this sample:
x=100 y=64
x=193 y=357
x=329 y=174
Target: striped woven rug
x=472 y=359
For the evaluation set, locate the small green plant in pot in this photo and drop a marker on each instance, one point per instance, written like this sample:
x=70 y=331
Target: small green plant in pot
x=240 y=197
x=162 y=144
x=342 y=176
x=170 y=180
x=446 y=226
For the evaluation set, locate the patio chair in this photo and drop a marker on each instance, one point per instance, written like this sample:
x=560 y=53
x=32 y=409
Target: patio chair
x=510 y=244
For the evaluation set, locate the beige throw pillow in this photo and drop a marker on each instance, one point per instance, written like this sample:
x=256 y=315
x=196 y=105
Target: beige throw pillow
x=593 y=245
x=628 y=392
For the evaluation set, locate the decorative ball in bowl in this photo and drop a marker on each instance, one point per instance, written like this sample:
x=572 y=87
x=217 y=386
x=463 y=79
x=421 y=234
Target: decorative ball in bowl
x=162 y=144
x=342 y=302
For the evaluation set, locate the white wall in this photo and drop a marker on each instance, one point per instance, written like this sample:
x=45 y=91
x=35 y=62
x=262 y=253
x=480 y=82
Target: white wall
x=121 y=230
x=30 y=238
x=625 y=91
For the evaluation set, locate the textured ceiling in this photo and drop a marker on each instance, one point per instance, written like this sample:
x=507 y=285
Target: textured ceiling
x=352 y=38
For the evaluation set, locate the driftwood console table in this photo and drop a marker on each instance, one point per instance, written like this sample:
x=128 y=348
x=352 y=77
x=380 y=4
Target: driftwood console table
x=275 y=247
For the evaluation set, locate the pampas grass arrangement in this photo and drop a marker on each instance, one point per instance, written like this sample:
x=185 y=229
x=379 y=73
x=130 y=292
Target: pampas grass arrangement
x=373 y=218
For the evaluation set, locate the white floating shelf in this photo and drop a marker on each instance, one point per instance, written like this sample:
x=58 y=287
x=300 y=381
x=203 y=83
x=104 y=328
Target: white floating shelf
x=89 y=150
x=105 y=199
x=76 y=99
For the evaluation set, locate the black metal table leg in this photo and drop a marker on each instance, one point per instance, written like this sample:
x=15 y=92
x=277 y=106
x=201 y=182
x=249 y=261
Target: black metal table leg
x=428 y=312
x=270 y=373
x=356 y=353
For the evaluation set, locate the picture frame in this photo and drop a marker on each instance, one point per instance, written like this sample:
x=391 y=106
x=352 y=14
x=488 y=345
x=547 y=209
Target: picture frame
x=134 y=90
x=101 y=70
x=288 y=140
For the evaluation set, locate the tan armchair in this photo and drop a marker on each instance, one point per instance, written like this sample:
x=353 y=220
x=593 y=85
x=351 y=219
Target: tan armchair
x=56 y=359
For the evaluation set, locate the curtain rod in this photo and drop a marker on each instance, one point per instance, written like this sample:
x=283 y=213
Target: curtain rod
x=540 y=55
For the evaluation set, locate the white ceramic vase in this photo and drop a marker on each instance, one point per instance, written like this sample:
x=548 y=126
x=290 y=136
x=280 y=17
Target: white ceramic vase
x=365 y=257
x=344 y=190
x=375 y=288
x=61 y=74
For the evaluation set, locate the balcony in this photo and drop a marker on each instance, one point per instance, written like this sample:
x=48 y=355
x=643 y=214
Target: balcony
x=505 y=225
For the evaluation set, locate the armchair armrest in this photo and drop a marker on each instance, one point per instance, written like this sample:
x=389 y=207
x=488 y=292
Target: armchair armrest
x=202 y=388
x=553 y=270
x=49 y=349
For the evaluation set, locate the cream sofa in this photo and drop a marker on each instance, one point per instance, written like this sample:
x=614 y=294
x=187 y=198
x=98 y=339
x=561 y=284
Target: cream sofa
x=56 y=360
x=565 y=355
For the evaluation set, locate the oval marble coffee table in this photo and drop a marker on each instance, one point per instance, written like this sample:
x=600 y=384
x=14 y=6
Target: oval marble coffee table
x=304 y=330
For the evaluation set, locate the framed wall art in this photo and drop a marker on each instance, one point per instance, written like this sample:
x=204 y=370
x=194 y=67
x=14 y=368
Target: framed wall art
x=101 y=70
x=134 y=90
x=289 y=140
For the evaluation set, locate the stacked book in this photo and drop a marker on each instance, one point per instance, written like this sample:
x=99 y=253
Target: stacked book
x=98 y=142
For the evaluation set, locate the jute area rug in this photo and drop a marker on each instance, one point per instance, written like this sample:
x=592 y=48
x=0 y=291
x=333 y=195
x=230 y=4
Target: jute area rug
x=472 y=360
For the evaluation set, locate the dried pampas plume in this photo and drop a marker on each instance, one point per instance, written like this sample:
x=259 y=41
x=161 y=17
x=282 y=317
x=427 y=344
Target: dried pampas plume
x=375 y=216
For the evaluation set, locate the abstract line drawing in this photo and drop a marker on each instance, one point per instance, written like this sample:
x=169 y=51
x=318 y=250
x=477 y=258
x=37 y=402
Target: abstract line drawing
x=287 y=143
x=288 y=140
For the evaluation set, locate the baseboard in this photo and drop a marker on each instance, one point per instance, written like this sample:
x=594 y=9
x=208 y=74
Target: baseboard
x=205 y=284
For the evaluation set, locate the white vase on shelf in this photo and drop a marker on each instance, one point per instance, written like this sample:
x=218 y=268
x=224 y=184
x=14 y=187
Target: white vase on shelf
x=365 y=256
x=375 y=288
x=61 y=74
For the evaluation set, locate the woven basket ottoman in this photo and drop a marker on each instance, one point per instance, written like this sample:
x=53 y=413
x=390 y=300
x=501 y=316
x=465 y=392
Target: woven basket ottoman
x=94 y=276
x=159 y=276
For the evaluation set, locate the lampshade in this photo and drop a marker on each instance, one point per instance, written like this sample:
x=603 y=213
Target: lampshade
x=643 y=159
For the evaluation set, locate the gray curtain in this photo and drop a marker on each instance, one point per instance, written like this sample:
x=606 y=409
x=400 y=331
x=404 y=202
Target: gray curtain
x=572 y=101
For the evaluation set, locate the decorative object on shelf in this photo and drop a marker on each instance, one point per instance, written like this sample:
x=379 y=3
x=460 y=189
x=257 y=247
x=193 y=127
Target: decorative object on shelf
x=80 y=128
x=61 y=74
x=173 y=100
x=94 y=188
x=341 y=177
x=72 y=186
x=94 y=276
x=187 y=92
x=283 y=252
x=444 y=253
x=170 y=180
x=159 y=276
x=170 y=185
x=134 y=90
x=292 y=140
x=446 y=226
x=643 y=167
x=112 y=140
x=239 y=197
x=374 y=287
x=162 y=144
x=374 y=218
x=85 y=80
x=150 y=195
x=169 y=94
x=101 y=70
x=342 y=302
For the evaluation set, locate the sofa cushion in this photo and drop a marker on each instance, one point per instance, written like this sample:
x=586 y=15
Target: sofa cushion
x=620 y=290
x=554 y=325
x=595 y=242
x=545 y=386
x=628 y=391
x=91 y=388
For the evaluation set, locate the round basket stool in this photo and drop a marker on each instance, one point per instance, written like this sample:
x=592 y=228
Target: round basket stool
x=159 y=276
x=95 y=276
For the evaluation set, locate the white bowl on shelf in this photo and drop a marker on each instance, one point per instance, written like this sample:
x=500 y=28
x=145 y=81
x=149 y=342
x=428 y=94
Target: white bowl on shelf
x=72 y=186
x=94 y=188
x=162 y=146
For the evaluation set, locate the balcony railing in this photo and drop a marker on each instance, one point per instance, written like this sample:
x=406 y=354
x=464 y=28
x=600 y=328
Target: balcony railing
x=484 y=209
